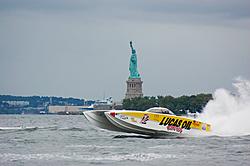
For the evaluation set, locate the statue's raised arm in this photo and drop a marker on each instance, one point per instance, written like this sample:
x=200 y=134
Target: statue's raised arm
x=132 y=48
x=131 y=45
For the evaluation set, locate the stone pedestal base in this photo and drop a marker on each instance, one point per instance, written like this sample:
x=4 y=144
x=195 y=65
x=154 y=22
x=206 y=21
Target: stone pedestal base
x=134 y=88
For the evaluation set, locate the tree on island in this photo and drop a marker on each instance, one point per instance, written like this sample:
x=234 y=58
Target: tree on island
x=193 y=103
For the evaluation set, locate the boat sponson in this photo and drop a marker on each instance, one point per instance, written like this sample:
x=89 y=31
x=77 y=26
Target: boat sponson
x=99 y=119
x=130 y=128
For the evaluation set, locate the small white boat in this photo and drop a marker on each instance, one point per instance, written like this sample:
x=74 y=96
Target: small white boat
x=154 y=121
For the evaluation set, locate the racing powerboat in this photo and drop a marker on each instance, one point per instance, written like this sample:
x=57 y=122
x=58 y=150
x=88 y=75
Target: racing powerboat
x=154 y=121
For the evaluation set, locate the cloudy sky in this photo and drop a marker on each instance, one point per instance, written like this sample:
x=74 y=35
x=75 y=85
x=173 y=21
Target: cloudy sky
x=80 y=48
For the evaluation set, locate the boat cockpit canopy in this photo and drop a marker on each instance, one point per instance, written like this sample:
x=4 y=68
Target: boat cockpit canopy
x=160 y=110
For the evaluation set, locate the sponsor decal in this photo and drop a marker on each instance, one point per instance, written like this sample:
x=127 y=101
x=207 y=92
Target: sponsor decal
x=204 y=127
x=184 y=124
x=144 y=119
x=124 y=117
x=196 y=124
x=133 y=120
x=174 y=128
x=208 y=126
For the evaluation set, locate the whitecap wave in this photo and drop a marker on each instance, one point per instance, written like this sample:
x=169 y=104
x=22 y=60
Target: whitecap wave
x=18 y=128
x=93 y=146
x=75 y=157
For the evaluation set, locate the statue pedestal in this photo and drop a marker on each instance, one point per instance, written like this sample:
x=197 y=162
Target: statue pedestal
x=134 y=88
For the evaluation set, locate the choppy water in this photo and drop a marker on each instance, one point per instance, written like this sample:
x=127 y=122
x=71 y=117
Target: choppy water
x=71 y=140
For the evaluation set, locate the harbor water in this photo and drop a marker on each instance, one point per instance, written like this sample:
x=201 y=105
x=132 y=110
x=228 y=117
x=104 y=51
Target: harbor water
x=38 y=140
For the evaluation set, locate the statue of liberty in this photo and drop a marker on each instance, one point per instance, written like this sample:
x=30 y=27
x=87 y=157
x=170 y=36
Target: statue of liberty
x=133 y=64
x=134 y=82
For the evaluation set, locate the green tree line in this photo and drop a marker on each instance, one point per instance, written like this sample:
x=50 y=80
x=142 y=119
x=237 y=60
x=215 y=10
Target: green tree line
x=193 y=103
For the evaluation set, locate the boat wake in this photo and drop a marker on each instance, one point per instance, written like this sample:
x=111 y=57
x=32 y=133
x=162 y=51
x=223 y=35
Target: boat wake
x=229 y=112
x=72 y=129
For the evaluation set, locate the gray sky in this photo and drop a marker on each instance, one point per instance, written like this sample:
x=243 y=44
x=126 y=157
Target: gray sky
x=80 y=48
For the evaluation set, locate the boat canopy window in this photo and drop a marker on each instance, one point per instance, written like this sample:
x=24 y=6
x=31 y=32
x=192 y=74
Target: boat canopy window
x=160 y=110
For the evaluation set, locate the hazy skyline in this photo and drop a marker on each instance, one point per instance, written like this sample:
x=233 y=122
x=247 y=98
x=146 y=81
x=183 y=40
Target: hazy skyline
x=80 y=48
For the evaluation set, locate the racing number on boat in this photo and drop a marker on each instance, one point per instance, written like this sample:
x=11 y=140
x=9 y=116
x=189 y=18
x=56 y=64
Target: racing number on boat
x=144 y=119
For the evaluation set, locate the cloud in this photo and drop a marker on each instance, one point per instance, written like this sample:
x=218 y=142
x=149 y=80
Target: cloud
x=145 y=10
